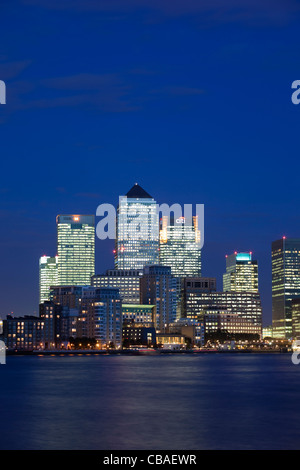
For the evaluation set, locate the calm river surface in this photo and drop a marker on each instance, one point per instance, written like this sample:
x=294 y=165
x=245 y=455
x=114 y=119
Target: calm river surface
x=178 y=402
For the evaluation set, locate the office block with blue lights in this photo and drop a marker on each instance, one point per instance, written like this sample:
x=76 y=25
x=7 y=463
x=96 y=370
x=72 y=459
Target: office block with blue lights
x=241 y=273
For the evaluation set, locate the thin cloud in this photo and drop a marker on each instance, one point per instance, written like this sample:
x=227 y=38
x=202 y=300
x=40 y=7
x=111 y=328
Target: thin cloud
x=84 y=81
x=10 y=70
x=220 y=11
x=106 y=93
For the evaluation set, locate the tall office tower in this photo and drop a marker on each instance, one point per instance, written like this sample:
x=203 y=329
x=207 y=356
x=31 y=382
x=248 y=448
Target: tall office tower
x=137 y=243
x=126 y=280
x=285 y=284
x=48 y=276
x=179 y=246
x=241 y=273
x=159 y=287
x=75 y=249
x=101 y=317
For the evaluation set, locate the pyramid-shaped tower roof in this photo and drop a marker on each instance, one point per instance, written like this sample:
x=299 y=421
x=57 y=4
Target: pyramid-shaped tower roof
x=138 y=192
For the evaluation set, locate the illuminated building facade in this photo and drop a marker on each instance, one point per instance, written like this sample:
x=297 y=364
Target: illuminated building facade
x=200 y=296
x=179 y=246
x=48 y=276
x=75 y=249
x=285 y=284
x=100 y=317
x=70 y=296
x=51 y=314
x=139 y=313
x=231 y=323
x=137 y=243
x=241 y=273
x=23 y=333
x=159 y=288
x=138 y=334
x=267 y=332
x=192 y=329
x=126 y=280
x=296 y=317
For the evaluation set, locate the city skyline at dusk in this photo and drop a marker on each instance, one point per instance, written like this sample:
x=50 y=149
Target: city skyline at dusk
x=150 y=242
x=104 y=260
x=194 y=110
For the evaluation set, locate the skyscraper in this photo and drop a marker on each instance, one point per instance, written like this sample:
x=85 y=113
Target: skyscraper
x=285 y=284
x=75 y=249
x=137 y=241
x=179 y=246
x=47 y=276
x=241 y=273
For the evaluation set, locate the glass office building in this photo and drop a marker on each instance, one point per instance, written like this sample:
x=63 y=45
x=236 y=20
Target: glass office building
x=48 y=273
x=180 y=246
x=285 y=284
x=137 y=243
x=241 y=273
x=75 y=249
x=200 y=296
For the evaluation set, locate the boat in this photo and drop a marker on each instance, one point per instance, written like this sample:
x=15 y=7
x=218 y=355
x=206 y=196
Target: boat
x=141 y=350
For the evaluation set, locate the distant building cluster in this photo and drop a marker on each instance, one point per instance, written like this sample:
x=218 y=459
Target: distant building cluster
x=155 y=294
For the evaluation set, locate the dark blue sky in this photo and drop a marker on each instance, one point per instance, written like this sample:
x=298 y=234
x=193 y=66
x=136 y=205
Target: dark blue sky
x=190 y=99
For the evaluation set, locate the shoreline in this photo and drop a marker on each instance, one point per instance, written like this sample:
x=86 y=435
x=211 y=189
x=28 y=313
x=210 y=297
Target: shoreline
x=79 y=352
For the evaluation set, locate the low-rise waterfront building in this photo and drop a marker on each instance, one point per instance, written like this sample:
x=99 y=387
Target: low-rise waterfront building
x=23 y=333
x=134 y=333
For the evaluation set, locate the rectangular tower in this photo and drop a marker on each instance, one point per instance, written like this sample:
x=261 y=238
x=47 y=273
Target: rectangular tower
x=101 y=317
x=159 y=288
x=48 y=273
x=137 y=243
x=75 y=249
x=285 y=284
x=179 y=246
x=241 y=273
